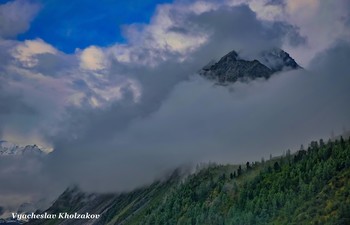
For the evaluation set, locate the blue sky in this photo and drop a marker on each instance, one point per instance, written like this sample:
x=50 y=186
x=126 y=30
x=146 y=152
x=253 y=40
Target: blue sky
x=68 y=25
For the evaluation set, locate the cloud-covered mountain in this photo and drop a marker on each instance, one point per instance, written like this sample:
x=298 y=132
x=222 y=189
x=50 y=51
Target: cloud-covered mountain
x=231 y=67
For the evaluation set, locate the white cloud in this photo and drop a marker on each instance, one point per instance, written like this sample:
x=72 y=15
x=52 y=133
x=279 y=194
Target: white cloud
x=26 y=53
x=150 y=44
x=93 y=58
x=104 y=94
x=162 y=32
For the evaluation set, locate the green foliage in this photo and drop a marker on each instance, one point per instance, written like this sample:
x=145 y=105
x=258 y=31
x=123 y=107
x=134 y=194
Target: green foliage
x=309 y=187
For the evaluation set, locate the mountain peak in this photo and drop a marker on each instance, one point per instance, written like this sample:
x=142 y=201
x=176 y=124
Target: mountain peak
x=231 y=56
x=231 y=67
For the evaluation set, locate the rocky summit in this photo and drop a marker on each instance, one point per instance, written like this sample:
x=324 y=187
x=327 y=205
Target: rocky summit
x=231 y=67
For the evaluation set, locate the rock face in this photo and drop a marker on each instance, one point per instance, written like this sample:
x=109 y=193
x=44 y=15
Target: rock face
x=231 y=67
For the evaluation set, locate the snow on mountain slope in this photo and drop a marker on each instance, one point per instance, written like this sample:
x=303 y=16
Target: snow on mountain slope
x=11 y=149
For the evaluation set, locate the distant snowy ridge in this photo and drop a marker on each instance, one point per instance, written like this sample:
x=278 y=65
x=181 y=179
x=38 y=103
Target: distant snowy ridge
x=11 y=149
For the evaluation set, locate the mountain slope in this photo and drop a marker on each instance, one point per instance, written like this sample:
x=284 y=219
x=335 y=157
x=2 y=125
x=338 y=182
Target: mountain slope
x=277 y=60
x=308 y=187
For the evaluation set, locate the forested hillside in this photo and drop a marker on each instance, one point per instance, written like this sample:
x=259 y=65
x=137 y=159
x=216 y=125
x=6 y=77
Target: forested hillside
x=311 y=186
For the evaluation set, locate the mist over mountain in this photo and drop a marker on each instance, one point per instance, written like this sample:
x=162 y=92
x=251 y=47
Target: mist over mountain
x=179 y=131
x=289 y=189
x=123 y=115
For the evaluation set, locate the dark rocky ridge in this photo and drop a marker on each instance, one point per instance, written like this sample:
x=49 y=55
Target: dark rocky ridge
x=231 y=67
